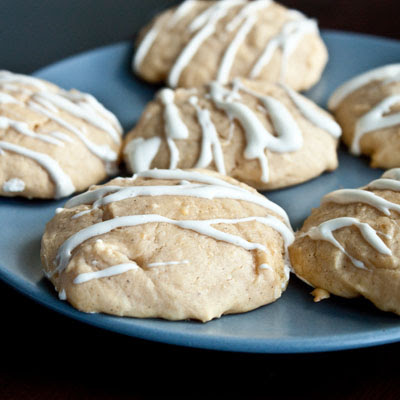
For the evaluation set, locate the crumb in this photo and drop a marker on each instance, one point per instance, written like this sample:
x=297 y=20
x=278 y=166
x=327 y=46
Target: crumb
x=320 y=294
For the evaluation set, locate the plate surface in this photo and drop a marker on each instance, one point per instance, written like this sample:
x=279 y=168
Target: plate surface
x=294 y=323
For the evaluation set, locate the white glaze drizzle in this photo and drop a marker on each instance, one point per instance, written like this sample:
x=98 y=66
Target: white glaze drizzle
x=210 y=180
x=141 y=153
x=6 y=98
x=311 y=113
x=247 y=15
x=98 y=111
x=161 y=264
x=202 y=227
x=101 y=197
x=223 y=74
x=173 y=153
x=346 y=196
x=325 y=230
x=374 y=120
x=287 y=40
x=384 y=184
x=205 y=23
x=181 y=11
x=62 y=295
x=215 y=188
x=83 y=106
x=175 y=128
x=145 y=46
x=14 y=185
x=105 y=153
x=23 y=129
x=387 y=73
x=63 y=184
x=61 y=136
x=393 y=173
x=7 y=77
x=105 y=273
x=257 y=136
x=219 y=7
x=247 y=10
x=210 y=145
x=148 y=40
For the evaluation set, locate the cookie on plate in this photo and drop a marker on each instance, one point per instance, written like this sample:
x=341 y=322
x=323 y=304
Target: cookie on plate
x=169 y=244
x=349 y=246
x=261 y=133
x=368 y=109
x=201 y=41
x=53 y=142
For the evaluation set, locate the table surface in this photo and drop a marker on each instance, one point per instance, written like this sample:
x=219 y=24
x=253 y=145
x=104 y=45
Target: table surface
x=47 y=356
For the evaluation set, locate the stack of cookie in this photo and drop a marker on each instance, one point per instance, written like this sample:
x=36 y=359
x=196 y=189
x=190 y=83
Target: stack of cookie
x=189 y=236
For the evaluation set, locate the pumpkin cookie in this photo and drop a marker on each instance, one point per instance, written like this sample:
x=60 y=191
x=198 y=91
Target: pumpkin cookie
x=368 y=109
x=201 y=41
x=53 y=142
x=169 y=244
x=349 y=246
x=263 y=134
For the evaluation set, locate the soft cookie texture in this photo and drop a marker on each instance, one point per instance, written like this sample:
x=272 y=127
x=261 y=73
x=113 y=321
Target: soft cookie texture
x=368 y=109
x=53 y=142
x=169 y=244
x=349 y=246
x=263 y=134
x=200 y=41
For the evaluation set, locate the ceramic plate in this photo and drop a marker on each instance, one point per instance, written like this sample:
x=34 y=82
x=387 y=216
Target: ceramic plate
x=294 y=323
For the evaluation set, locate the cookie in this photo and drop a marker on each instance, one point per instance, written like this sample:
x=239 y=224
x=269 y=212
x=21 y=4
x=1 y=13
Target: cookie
x=263 y=134
x=53 y=142
x=201 y=41
x=349 y=246
x=169 y=244
x=367 y=107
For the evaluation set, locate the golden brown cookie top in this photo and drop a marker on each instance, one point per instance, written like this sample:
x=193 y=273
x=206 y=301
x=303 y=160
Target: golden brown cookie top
x=200 y=41
x=52 y=142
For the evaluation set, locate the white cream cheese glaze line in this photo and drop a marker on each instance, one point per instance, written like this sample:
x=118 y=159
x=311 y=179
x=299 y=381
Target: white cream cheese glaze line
x=105 y=153
x=223 y=74
x=211 y=188
x=141 y=153
x=347 y=196
x=63 y=184
x=23 y=129
x=258 y=138
x=287 y=40
x=206 y=24
x=325 y=232
x=7 y=77
x=202 y=227
x=14 y=185
x=375 y=119
x=312 y=114
x=210 y=145
x=148 y=40
x=105 y=273
x=388 y=73
x=164 y=263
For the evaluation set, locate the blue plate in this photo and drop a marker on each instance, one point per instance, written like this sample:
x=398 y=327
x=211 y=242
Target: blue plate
x=293 y=324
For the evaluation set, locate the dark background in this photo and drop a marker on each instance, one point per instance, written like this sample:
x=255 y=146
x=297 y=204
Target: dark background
x=47 y=356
